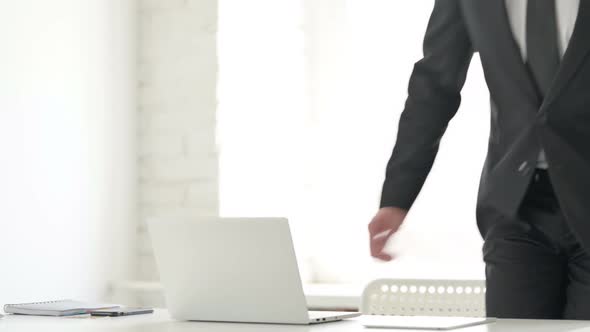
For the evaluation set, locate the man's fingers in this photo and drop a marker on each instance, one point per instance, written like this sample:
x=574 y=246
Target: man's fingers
x=384 y=257
x=383 y=234
x=378 y=228
x=375 y=227
x=381 y=228
x=378 y=243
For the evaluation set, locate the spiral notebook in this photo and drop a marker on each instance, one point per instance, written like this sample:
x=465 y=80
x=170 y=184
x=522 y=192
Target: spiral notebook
x=56 y=308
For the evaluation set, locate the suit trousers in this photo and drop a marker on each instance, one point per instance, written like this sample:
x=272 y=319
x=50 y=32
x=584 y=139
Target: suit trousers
x=535 y=266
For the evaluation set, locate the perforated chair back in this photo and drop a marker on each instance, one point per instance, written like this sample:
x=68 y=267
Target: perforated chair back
x=413 y=297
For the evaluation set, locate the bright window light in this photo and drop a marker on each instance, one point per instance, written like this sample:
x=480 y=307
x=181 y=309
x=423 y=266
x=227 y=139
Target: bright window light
x=310 y=93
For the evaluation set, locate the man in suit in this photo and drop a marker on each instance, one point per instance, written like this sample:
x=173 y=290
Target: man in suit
x=533 y=205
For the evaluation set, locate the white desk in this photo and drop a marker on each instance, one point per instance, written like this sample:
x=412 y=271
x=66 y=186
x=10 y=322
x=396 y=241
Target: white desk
x=332 y=297
x=161 y=322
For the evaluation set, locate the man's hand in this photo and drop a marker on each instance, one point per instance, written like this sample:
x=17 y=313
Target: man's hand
x=382 y=227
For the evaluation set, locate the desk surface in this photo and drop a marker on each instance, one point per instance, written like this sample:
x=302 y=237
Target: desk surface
x=160 y=321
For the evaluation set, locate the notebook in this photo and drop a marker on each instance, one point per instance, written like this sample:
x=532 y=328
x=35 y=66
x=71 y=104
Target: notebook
x=421 y=322
x=55 y=308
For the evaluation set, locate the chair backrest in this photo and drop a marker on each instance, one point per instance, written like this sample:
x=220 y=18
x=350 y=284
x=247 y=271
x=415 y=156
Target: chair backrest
x=414 y=297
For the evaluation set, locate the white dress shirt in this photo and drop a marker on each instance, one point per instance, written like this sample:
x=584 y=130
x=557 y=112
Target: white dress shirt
x=566 y=12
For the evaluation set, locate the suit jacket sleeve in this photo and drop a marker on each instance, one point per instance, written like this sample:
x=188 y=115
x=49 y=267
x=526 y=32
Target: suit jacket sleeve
x=433 y=99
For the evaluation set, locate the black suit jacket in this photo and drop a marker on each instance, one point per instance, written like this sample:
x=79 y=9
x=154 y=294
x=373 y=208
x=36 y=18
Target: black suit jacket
x=521 y=121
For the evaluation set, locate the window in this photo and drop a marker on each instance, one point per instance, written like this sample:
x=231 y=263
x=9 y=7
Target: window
x=310 y=94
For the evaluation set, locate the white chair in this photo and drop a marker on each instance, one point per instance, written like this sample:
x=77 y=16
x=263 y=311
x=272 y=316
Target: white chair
x=412 y=297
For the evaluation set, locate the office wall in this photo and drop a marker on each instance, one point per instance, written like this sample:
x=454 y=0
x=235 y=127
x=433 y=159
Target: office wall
x=177 y=104
x=67 y=147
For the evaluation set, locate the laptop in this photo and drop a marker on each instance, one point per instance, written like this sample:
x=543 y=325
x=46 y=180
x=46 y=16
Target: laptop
x=232 y=270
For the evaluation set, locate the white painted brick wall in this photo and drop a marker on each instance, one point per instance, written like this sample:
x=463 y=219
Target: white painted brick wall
x=178 y=159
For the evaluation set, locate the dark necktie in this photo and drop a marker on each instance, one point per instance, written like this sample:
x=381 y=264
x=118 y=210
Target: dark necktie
x=542 y=50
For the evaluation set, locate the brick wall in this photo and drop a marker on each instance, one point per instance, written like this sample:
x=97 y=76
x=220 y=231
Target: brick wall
x=177 y=72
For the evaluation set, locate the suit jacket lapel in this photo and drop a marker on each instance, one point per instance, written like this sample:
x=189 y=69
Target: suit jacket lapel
x=576 y=52
x=495 y=16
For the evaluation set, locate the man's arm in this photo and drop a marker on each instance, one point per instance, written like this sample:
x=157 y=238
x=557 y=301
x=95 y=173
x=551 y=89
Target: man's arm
x=433 y=99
